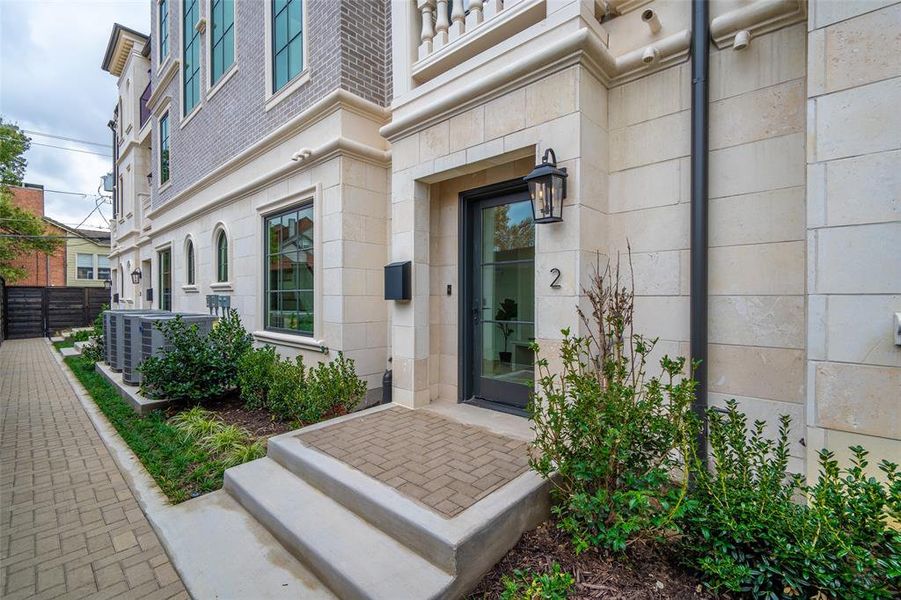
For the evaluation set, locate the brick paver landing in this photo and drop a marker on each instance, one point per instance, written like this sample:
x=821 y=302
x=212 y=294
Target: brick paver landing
x=69 y=524
x=441 y=463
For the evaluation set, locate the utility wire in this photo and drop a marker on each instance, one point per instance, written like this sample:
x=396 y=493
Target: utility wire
x=68 y=139
x=63 y=148
x=71 y=149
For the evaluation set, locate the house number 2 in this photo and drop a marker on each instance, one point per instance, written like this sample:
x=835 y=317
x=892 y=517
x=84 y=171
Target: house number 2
x=556 y=273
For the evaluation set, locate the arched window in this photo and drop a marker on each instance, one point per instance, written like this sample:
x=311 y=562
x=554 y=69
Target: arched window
x=221 y=257
x=189 y=261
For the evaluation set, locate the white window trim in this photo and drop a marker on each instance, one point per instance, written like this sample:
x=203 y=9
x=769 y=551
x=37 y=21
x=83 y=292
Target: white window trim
x=157 y=271
x=273 y=99
x=212 y=88
x=184 y=252
x=94 y=266
x=160 y=185
x=163 y=61
x=305 y=196
x=229 y=252
x=184 y=119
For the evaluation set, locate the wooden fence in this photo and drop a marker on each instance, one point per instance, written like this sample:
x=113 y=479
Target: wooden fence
x=41 y=311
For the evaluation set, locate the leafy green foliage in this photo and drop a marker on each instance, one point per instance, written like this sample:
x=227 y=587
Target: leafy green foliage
x=13 y=146
x=180 y=466
x=291 y=391
x=229 y=444
x=528 y=585
x=94 y=351
x=14 y=220
x=609 y=436
x=752 y=534
x=194 y=366
x=256 y=371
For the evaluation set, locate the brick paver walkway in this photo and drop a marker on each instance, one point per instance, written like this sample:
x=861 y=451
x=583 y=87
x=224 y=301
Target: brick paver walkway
x=441 y=463
x=69 y=524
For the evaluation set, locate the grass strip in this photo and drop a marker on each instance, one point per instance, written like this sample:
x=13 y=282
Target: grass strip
x=181 y=467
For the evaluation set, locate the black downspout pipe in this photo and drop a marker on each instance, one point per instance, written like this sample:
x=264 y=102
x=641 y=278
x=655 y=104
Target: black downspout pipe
x=700 y=69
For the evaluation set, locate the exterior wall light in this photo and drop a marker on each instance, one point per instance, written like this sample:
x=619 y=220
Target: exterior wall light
x=136 y=276
x=107 y=284
x=547 y=189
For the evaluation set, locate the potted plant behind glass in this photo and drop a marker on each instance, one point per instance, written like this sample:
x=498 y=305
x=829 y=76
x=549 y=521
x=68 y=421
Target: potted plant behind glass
x=506 y=312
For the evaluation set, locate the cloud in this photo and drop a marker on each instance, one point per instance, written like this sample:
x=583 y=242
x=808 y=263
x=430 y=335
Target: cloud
x=51 y=81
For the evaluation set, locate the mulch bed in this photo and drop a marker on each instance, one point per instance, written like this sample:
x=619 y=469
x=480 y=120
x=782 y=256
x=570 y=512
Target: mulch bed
x=646 y=572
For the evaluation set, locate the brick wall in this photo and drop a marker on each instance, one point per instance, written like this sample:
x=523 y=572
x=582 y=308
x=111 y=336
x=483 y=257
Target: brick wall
x=346 y=49
x=42 y=270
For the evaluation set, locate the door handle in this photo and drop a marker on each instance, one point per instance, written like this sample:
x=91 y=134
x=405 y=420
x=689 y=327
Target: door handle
x=475 y=315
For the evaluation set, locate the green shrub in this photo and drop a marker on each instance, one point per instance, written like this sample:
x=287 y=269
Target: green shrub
x=608 y=435
x=256 y=371
x=528 y=585
x=291 y=391
x=94 y=351
x=752 y=534
x=194 y=366
x=286 y=388
x=331 y=388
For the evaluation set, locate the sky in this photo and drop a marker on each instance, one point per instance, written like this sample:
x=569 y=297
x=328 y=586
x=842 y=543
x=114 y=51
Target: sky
x=51 y=82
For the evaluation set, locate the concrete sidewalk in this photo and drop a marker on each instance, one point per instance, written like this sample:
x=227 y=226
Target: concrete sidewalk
x=71 y=526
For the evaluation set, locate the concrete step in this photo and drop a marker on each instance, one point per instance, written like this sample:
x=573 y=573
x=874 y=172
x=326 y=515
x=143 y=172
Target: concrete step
x=466 y=546
x=349 y=555
x=220 y=551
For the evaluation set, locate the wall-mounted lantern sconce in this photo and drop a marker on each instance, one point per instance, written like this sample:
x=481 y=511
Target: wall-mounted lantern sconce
x=107 y=284
x=547 y=188
x=136 y=276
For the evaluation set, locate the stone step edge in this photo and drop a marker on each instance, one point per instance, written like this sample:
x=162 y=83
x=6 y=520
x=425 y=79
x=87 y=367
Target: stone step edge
x=472 y=541
x=326 y=554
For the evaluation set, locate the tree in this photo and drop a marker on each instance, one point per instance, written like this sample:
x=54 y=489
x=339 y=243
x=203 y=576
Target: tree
x=13 y=145
x=20 y=231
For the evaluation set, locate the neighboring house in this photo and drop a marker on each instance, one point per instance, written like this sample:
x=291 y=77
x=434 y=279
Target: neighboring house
x=87 y=255
x=43 y=270
x=294 y=149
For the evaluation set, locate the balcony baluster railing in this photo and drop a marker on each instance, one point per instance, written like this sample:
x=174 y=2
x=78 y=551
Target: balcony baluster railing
x=443 y=21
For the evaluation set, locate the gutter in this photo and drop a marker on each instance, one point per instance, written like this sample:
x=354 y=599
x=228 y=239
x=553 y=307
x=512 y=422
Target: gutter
x=700 y=70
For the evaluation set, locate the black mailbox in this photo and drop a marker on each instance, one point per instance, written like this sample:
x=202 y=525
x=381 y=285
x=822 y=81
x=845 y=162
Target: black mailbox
x=149 y=295
x=397 y=281
x=116 y=298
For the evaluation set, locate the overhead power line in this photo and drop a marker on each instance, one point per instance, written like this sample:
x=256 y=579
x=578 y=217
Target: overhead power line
x=72 y=149
x=68 y=139
x=64 y=148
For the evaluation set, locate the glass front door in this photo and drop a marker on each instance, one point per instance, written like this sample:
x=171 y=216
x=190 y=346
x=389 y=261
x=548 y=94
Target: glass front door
x=502 y=300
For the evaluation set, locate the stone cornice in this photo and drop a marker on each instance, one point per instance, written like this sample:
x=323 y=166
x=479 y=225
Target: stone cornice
x=582 y=46
x=162 y=84
x=757 y=18
x=337 y=100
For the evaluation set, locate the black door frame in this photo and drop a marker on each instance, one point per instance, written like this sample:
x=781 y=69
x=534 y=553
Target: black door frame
x=465 y=345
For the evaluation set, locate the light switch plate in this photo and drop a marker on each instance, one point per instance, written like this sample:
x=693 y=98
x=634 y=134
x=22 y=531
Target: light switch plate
x=898 y=328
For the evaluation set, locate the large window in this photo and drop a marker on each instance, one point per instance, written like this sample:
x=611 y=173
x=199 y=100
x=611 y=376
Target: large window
x=289 y=271
x=164 y=148
x=103 y=271
x=222 y=41
x=84 y=266
x=189 y=261
x=164 y=29
x=190 y=54
x=221 y=257
x=165 y=283
x=287 y=42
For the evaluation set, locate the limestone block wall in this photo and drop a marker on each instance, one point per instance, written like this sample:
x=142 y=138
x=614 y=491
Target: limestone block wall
x=565 y=110
x=757 y=249
x=853 y=227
